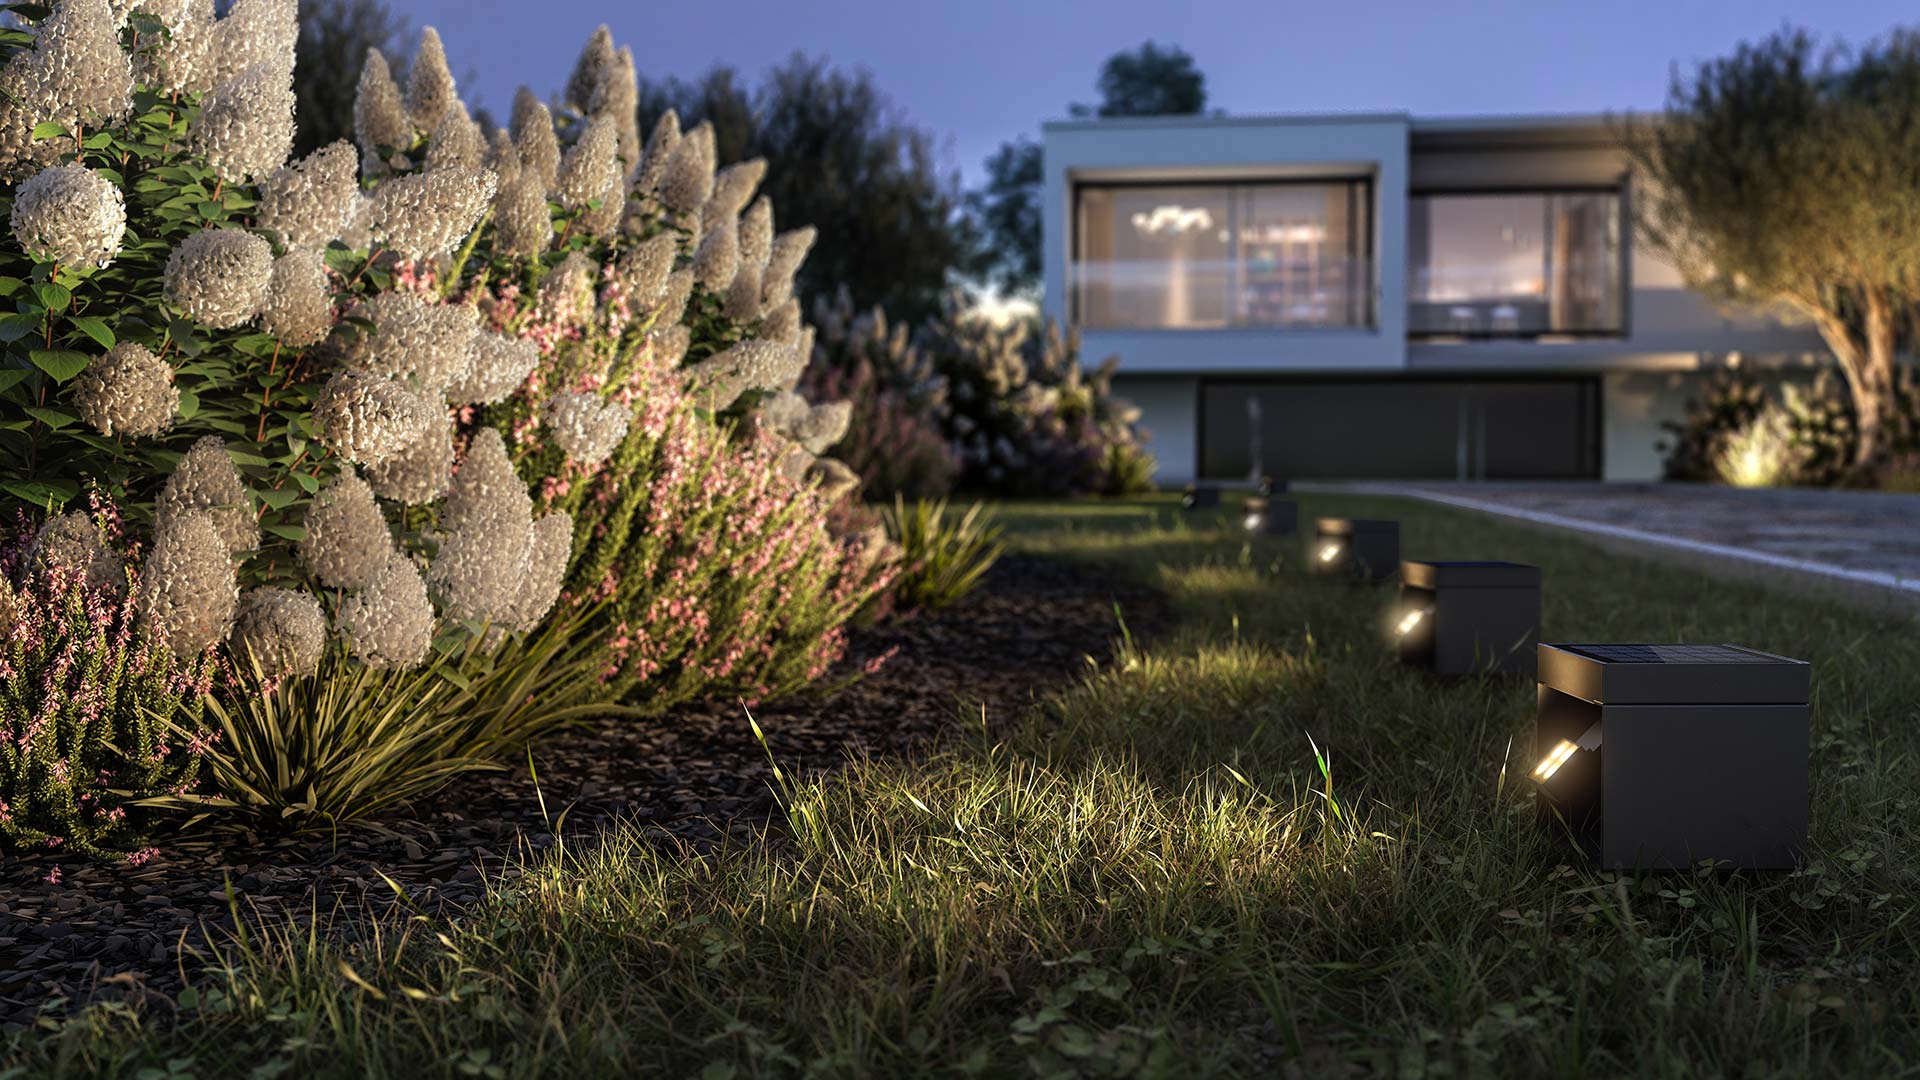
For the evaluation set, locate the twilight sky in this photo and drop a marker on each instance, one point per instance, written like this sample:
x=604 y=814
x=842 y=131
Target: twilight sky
x=978 y=72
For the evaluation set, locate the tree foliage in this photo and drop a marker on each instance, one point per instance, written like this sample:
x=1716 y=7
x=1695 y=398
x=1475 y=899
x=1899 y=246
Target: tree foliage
x=1151 y=80
x=1783 y=177
x=842 y=158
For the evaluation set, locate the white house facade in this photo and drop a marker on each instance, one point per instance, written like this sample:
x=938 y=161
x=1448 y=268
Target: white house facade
x=1381 y=296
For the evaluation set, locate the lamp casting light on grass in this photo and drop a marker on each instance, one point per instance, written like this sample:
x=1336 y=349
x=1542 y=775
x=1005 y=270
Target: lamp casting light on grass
x=1200 y=497
x=1469 y=618
x=1704 y=757
x=1364 y=548
x=1275 y=517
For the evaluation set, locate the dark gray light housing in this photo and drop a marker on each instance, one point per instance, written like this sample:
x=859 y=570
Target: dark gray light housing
x=1271 y=486
x=1275 y=517
x=1660 y=756
x=1200 y=498
x=1469 y=618
x=1365 y=548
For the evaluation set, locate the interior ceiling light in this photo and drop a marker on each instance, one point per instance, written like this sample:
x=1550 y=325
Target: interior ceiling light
x=1172 y=219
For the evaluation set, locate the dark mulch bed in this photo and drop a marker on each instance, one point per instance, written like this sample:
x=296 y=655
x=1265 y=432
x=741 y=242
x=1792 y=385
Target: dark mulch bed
x=693 y=775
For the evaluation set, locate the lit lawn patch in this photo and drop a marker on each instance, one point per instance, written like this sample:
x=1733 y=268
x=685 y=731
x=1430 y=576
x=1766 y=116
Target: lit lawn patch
x=1255 y=841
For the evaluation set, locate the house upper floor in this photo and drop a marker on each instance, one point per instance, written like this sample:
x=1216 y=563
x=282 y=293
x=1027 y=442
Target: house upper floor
x=1374 y=241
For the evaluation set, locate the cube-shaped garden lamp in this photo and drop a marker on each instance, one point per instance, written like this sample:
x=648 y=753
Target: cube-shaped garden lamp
x=1203 y=497
x=1469 y=618
x=1275 y=517
x=1273 y=486
x=1364 y=548
x=1662 y=756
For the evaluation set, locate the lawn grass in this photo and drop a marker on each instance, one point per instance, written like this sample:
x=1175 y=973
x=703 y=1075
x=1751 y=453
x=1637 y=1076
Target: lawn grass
x=1251 y=845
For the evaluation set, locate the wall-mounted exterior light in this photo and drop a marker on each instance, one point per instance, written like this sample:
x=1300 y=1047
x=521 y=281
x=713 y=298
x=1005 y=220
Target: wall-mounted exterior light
x=1200 y=497
x=1469 y=618
x=1275 y=517
x=1364 y=548
x=1661 y=756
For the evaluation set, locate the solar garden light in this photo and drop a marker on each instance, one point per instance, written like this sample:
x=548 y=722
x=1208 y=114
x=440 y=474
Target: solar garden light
x=1275 y=517
x=1467 y=618
x=1200 y=498
x=1365 y=548
x=1661 y=756
x=1270 y=486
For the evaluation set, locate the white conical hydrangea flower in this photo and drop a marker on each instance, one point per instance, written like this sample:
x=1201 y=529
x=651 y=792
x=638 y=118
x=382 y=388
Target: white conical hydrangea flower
x=498 y=366
x=719 y=380
x=421 y=473
x=389 y=624
x=548 y=551
x=687 y=181
x=307 y=203
x=743 y=295
x=187 y=588
x=357 y=235
x=219 y=277
x=533 y=136
x=207 y=482
x=590 y=70
x=69 y=214
x=457 y=141
x=642 y=272
x=182 y=59
x=660 y=147
x=379 y=117
x=347 y=541
x=255 y=32
x=129 y=392
x=823 y=426
x=245 y=126
x=429 y=214
x=502 y=158
x=587 y=428
x=618 y=96
x=732 y=187
x=756 y=234
x=591 y=167
x=486 y=489
x=299 y=309
x=522 y=220
x=600 y=221
x=673 y=305
x=670 y=344
x=86 y=78
x=430 y=90
x=430 y=345
x=718 y=259
x=782 y=323
x=783 y=261
x=566 y=296
x=368 y=418
x=73 y=542
x=836 y=481
x=279 y=632
x=477 y=573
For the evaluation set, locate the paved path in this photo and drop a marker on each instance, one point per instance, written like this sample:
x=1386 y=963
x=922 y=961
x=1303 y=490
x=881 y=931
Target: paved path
x=1865 y=538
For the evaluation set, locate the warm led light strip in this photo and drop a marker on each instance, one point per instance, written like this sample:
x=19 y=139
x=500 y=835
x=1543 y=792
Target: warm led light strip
x=1412 y=620
x=1329 y=552
x=1554 y=760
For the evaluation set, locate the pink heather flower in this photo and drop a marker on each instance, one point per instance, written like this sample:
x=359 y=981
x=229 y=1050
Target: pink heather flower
x=53 y=876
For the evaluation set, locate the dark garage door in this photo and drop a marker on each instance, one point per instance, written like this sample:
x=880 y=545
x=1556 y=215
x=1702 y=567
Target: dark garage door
x=1402 y=428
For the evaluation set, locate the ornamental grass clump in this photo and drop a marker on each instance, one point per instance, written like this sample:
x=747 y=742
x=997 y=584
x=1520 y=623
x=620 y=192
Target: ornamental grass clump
x=97 y=716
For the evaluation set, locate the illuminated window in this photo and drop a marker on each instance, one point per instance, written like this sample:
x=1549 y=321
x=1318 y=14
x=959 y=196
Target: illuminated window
x=1515 y=264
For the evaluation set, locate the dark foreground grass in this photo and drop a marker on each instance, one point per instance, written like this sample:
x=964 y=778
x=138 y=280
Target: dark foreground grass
x=1255 y=846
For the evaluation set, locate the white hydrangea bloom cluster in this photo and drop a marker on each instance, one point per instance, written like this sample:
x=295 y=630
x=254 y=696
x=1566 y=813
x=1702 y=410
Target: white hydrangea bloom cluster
x=76 y=75
x=496 y=565
x=422 y=472
x=309 y=202
x=686 y=179
x=128 y=392
x=587 y=428
x=380 y=122
x=283 y=632
x=456 y=141
x=755 y=364
x=207 y=482
x=486 y=489
x=428 y=214
x=73 y=541
x=187 y=587
x=368 y=418
x=298 y=309
x=389 y=623
x=430 y=89
x=219 y=277
x=69 y=214
x=428 y=345
x=496 y=368
x=661 y=144
x=245 y=126
x=347 y=540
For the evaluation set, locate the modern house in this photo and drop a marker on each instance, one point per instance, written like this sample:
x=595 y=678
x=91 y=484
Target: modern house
x=1350 y=296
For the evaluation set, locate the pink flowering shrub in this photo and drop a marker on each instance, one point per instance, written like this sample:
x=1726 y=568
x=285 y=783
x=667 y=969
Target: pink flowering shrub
x=95 y=716
x=895 y=444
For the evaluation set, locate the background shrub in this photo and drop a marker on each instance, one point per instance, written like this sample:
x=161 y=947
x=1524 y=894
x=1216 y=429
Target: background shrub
x=1804 y=435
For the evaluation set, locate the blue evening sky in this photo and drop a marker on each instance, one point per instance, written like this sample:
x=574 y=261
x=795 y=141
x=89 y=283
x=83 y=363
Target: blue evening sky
x=977 y=73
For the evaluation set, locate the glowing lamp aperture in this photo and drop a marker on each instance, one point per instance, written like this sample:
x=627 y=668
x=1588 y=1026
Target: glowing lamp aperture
x=1366 y=549
x=1481 y=618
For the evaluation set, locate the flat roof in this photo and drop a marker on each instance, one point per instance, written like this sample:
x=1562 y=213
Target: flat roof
x=1571 y=127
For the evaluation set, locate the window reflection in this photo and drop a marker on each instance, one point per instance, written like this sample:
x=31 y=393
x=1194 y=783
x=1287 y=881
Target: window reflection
x=1214 y=256
x=1515 y=264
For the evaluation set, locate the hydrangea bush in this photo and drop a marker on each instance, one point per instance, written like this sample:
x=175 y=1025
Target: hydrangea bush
x=1021 y=413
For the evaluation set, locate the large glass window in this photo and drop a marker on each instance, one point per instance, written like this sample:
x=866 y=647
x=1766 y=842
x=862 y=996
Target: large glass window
x=1173 y=257
x=1515 y=264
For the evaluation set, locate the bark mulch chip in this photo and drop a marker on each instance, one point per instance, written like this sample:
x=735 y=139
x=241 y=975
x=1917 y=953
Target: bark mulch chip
x=693 y=776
